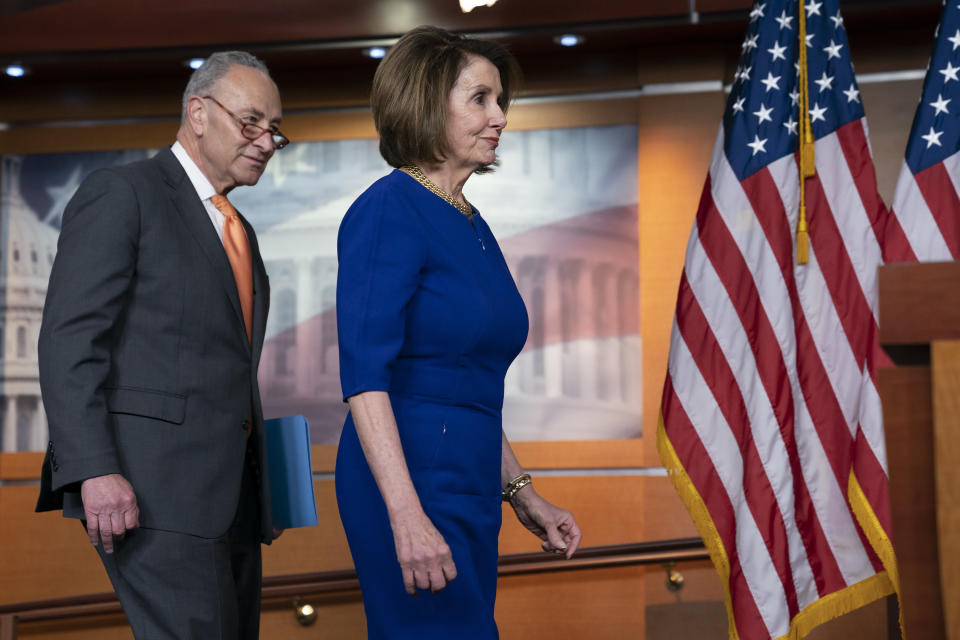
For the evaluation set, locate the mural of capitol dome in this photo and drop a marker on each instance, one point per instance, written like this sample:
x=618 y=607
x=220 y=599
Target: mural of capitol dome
x=562 y=203
x=26 y=256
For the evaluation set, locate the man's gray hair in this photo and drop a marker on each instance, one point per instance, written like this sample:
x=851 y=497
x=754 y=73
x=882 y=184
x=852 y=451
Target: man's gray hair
x=214 y=68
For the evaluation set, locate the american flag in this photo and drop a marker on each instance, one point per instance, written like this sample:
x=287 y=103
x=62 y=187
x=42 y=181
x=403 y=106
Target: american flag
x=926 y=221
x=771 y=422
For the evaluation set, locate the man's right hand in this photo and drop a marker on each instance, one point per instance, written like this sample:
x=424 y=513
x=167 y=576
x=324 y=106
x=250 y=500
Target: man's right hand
x=110 y=507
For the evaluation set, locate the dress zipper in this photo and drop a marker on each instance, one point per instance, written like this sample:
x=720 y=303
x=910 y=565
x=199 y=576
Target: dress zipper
x=476 y=232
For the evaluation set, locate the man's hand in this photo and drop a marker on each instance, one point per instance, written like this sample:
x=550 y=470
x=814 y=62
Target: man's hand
x=110 y=507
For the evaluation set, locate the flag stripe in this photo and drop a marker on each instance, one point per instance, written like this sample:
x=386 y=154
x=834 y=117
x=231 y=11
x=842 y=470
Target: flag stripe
x=763 y=584
x=873 y=564
x=896 y=246
x=944 y=205
x=761 y=302
x=848 y=238
x=831 y=392
x=871 y=419
x=913 y=216
x=870 y=473
x=847 y=320
x=860 y=250
x=753 y=482
x=748 y=620
x=870 y=448
x=952 y=165
x=828 y=498
x=855 y=145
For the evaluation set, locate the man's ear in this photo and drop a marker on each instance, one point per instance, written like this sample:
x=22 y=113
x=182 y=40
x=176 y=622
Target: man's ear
x=196 y=115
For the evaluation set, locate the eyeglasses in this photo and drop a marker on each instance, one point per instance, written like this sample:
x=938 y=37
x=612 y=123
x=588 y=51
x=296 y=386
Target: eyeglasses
x=252 y=131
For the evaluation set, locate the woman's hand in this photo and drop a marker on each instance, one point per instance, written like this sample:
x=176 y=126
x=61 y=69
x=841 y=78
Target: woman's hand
x=425 y=558
x=556 y=527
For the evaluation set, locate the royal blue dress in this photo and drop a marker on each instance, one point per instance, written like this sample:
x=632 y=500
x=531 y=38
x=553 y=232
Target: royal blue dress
x=427 y=311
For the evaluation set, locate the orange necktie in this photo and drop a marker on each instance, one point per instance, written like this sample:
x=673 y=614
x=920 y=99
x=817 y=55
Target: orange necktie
x=237 y=246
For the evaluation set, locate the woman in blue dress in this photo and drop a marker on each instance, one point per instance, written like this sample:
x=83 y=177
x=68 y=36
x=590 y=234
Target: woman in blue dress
x=429 y=319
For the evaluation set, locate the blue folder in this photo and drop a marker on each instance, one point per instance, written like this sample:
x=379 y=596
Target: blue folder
x=291 y=472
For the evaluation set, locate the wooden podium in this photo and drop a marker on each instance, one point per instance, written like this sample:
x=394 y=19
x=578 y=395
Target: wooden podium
x=920 y=330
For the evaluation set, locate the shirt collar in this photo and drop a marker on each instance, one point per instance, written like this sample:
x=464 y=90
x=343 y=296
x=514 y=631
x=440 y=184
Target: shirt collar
x=203 y=187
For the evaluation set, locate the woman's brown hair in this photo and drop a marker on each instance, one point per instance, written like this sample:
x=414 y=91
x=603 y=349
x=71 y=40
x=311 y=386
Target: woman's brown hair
x=412 y=85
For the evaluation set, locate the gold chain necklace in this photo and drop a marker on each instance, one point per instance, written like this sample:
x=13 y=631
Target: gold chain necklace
x=417 y=174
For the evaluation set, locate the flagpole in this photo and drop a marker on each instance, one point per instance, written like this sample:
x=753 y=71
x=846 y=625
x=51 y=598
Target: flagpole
x=807 y=164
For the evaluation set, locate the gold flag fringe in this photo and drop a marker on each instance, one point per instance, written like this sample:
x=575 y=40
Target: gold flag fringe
x=878 y=538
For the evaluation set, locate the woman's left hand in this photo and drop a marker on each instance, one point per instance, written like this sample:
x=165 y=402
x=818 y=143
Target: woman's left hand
x=555 y=526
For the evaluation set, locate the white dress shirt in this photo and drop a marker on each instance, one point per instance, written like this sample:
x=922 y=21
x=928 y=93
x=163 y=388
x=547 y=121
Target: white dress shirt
x=202 y=186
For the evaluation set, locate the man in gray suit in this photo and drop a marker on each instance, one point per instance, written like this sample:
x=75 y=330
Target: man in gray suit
x=151 y=336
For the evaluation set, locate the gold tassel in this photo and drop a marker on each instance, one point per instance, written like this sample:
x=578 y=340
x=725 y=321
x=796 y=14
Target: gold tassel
x=808 y=167
x=803 y=238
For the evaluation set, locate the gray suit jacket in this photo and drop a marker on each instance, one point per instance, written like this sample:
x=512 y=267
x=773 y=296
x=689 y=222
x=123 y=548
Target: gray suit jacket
x=145 y=367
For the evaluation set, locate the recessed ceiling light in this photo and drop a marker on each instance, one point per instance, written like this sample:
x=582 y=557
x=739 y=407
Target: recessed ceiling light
x=569 y=40
x=195 y=63
x=375 y=52
x=469 y=5
x=15 y=71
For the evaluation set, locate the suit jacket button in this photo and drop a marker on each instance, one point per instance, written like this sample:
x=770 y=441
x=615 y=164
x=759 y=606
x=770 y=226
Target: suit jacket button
x=245 y=425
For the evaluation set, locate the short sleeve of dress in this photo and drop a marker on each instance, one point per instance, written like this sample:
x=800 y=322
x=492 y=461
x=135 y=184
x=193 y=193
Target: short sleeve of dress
x=380 y=254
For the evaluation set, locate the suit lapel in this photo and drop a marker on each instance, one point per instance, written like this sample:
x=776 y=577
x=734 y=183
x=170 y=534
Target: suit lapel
x=261 y=294
x=197 y=222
